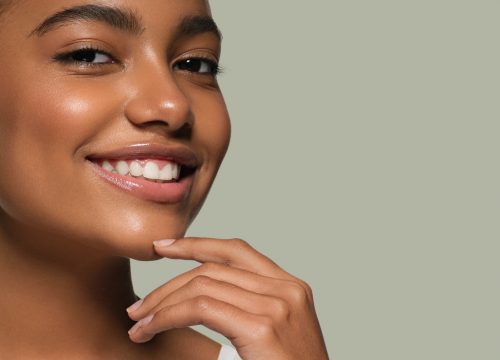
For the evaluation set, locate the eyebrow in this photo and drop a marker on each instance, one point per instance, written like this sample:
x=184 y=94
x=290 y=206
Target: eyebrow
x=194 y=25
x=122 y=19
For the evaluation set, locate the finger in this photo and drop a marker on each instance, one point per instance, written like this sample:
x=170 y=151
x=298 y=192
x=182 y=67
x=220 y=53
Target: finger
x=234 y=252
x=219 y=316
x=243 y=279
x=249 y=301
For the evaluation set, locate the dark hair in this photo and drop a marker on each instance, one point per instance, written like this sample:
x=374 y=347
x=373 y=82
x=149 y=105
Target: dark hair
x=5 y=5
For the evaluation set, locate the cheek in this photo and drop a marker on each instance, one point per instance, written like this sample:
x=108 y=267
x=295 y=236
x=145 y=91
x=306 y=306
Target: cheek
x=65 y=116
x=211 y=133
x=41 y=127
x=213 y=128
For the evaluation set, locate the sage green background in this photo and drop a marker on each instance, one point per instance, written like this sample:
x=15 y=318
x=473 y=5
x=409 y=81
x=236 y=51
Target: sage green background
x=364 y=159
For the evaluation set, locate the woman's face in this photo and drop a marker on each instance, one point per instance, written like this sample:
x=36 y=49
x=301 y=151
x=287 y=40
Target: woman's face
x=129 y=82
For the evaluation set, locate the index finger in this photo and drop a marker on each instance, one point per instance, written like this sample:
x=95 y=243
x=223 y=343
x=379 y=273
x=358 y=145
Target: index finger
x=233 y=252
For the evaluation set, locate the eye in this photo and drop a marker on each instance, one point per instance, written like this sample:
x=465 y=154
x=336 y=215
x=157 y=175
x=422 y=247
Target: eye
x=198 y=66
x=86 y=56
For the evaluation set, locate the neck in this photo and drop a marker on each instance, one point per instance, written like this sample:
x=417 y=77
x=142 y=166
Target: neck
x=61 y=298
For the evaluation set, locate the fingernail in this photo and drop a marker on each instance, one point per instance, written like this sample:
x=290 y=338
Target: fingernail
x=135 y=306
x=146 y=320
x=140 y=323
x=163 y=243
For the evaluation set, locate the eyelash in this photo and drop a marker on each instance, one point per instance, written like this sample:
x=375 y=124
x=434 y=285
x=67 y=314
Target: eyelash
x=69 y=57
x=197 y=61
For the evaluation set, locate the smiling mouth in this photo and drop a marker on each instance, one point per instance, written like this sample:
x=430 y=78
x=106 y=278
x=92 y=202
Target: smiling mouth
x=154 y=170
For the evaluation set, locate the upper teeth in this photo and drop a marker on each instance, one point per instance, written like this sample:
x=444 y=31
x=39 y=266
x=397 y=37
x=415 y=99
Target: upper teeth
x=148 y=169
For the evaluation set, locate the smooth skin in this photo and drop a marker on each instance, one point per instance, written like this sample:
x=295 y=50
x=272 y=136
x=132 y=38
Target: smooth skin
x=66 y=236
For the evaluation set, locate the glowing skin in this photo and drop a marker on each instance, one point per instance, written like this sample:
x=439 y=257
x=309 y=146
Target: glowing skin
x=55 y=114
x=124 y=79
x=55 y=212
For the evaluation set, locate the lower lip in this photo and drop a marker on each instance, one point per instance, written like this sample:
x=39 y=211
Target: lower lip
x=169 y=193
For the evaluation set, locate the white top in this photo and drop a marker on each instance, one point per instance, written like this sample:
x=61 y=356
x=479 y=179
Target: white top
x=228 y=353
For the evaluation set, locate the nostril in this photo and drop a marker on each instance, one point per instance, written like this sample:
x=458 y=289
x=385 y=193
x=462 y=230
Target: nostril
x=159 y=123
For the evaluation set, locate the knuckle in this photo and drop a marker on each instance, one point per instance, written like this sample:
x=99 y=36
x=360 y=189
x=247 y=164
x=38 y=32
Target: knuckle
x=200 y=282
x=202 y=303
x=307 y=289
x=148 y=298
x=240 y=243
x=281 y=309
x=264 y=330
x=298 y=294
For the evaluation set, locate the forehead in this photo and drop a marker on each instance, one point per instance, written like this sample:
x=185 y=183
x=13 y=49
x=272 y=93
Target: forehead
x=27 y=14
x=35 y=5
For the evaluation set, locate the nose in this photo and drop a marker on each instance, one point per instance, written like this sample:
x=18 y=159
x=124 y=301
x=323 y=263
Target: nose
x=156 y=99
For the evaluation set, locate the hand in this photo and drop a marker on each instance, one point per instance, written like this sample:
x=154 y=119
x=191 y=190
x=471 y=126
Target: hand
x=265 y=312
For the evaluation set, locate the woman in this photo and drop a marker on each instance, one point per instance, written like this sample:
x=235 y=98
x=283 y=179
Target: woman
x=112 y=129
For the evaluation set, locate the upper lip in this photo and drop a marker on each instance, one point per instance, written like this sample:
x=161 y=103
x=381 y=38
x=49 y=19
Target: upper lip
x=180 y=154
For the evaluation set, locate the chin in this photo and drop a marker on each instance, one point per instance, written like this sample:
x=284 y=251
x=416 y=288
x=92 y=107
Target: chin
x=144 y=255
x=140 y=247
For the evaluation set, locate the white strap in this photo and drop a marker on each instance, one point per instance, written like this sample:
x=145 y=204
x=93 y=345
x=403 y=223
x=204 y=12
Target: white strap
x=228 y=353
